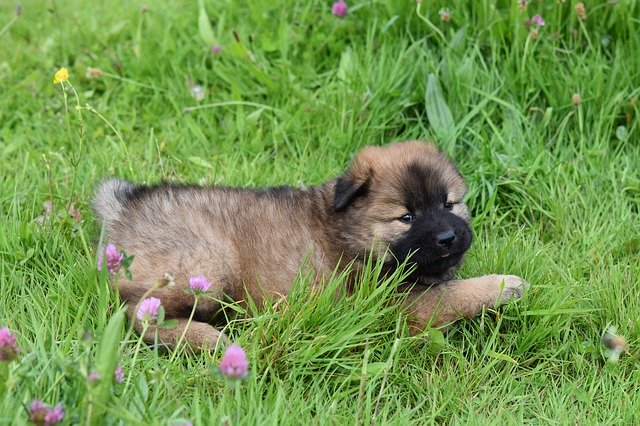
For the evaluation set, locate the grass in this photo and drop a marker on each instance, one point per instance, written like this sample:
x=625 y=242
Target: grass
x=294 y=92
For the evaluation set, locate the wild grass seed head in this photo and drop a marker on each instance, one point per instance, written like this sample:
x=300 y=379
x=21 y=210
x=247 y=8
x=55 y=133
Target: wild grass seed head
x=614 y=344
x=581 y=11
x=576 y=100
x=445 y=14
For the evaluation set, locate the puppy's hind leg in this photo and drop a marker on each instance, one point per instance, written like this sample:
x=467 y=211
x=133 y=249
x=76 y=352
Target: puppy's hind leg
x=198 y=336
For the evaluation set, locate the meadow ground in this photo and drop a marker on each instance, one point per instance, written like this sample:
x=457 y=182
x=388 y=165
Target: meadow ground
x=541 y=119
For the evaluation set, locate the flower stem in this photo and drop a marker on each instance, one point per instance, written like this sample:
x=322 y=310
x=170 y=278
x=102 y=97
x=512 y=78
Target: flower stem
x=145 y=326
x=236 y=394
x=186 y=327
x=429 y=23
x=124 y=145
x=4 y=376
x=8 y=25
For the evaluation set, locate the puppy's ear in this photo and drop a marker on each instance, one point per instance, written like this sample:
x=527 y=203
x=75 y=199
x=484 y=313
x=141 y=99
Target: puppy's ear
x=346 y=191
x=356 y=181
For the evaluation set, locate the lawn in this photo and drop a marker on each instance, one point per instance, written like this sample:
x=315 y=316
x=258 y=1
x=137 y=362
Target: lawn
x=542 y=121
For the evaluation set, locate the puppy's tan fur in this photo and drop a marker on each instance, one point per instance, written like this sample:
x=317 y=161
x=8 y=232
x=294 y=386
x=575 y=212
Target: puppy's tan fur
x=254 y=242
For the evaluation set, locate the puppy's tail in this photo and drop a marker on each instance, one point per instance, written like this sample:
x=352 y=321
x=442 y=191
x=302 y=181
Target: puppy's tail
x=109 y=199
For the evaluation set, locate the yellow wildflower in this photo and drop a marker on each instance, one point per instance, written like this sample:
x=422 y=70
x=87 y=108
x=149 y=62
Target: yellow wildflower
x=61 y=75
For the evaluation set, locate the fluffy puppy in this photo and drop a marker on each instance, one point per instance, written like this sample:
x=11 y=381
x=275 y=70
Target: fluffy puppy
x=402 y=202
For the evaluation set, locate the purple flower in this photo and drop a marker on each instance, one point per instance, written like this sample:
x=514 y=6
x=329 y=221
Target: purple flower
x=118 y=375
x=234 y=363
x=93 y=376
x=114 y=258
x=8 y=347
x=43 y=415
x=537 y=21
x=54 y=416
x=148 y=309
x=339 y=9
x=215 y=49
x=199 y=283
x=37 y=411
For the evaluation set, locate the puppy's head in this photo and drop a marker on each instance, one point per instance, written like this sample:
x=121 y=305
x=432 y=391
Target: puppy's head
x=406 y=201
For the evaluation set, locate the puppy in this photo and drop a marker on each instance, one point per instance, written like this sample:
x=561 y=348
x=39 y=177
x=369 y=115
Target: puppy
x=402 y=202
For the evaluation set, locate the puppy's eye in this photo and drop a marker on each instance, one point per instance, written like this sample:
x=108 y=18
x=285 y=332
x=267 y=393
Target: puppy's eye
x=448 y=205
x=407 y=218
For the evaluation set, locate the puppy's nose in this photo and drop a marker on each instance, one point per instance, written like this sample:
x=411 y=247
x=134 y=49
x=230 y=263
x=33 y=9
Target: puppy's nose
x=446 y=238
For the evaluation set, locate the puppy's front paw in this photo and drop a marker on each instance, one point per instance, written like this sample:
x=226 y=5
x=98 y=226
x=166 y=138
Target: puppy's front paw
x=509 y=287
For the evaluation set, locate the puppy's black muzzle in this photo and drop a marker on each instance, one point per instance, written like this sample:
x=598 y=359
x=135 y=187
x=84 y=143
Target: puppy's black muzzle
x=434 y=244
